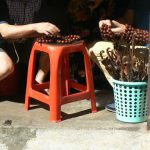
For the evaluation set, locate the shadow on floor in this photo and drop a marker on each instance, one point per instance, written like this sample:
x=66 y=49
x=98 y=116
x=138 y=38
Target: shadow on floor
x=36 y=104
x=101 y=86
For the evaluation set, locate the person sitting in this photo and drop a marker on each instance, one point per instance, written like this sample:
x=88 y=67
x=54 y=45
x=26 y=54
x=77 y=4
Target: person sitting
x=20 y=23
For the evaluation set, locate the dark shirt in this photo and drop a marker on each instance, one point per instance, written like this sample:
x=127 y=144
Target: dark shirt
x=19 y=12
x=32 y=11
x=22 y=12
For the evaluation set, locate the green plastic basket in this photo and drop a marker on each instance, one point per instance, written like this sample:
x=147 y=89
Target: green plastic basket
x=130 y=101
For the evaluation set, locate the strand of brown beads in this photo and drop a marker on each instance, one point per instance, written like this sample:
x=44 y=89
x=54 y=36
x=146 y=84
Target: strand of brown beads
x=106 y=32
x=58 y=39
x=141 y=36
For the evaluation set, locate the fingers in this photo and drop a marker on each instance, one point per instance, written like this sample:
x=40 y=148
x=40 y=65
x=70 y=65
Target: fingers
x=47 y=28
x=118 y=27
x=116 y=24
x=46 y=33
x=52 y=29
x=116 y=30
x=107 y=22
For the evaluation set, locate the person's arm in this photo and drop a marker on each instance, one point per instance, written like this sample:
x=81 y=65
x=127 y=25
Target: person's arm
x=8 y=31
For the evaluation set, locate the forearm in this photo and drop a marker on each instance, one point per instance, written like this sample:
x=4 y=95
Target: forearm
x=17 y=31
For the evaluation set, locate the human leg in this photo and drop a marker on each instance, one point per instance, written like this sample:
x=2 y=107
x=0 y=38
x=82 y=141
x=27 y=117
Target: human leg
x=6 y=65
x=43 y=68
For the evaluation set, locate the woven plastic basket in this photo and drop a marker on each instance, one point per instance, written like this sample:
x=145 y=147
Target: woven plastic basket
x=130 y=101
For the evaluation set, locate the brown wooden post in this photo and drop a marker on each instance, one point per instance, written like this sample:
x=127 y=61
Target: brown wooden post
x=148 y=95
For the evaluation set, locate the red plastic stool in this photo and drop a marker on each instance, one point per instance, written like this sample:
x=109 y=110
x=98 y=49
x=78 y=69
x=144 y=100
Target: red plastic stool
x=60 y=82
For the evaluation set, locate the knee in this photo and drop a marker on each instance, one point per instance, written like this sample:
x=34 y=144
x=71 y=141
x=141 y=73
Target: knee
x=6 y=68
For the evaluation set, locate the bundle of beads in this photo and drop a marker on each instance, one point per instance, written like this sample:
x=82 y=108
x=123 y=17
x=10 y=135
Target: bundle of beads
x=124 y=62
x=58 y=39
x=106 y=32
x=140 y=37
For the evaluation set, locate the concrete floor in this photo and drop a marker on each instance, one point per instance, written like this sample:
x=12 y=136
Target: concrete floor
x=80 y=129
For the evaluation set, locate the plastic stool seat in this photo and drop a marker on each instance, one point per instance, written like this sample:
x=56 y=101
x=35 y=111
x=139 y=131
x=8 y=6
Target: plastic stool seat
x=60 y=82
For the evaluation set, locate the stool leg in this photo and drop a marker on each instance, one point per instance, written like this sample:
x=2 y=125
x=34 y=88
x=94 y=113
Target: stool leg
x=64 y=88
x=66 y=74
x=55 y=92
x=30 y=78
x=89 y=80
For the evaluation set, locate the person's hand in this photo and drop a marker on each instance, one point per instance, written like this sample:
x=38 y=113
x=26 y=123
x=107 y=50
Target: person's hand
x=107 y=22
x=46 y=28
x=116 y=27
